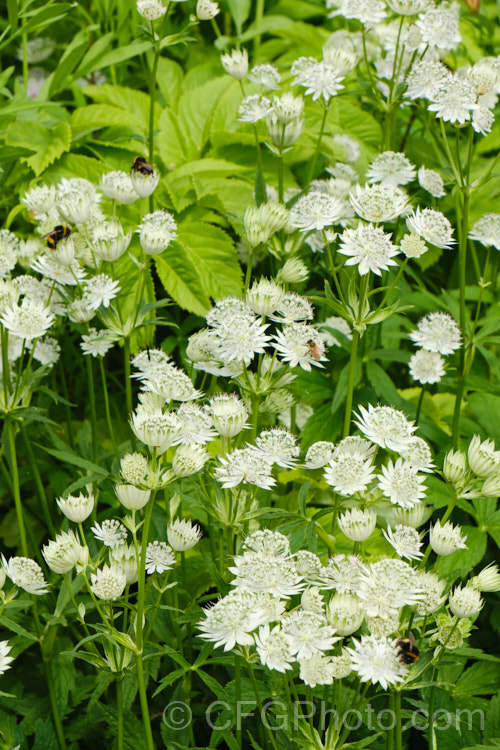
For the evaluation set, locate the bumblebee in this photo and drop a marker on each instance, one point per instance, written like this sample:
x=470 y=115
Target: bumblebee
x=141 y=165
x=408 y=651
x=61 y=232
x=314 y=350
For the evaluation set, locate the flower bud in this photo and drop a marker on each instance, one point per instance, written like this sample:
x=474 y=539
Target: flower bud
x=235 y=63
x=132 y=497
x=465 y=602
x=487 y=580
x=484 y=460
x=189 y=459
x=77 y=507
x=206 y=10
x=294 y=271
x=157 y=231
x=183 y=534
x=344 y=613
x=446 y=539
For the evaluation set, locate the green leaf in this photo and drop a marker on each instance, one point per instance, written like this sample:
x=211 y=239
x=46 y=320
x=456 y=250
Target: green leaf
x=98 y=116
x=75 y=460
x=486 y=407
x=12 y=14
x=482 y=678
x=6 y=622
x=181 y=279
x=169 y=79
x=46 y=16
x=240 y=11
x=382 y=384
x=49 y=142
x=462 y=561
x=130 y=100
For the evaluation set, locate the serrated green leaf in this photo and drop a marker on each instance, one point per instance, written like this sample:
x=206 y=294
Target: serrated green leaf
x=98 y=116
x=49 y=143
x=75 y=460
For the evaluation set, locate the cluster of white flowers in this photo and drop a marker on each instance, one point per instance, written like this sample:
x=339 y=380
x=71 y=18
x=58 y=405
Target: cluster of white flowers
x=437 y=335
x=475 y=473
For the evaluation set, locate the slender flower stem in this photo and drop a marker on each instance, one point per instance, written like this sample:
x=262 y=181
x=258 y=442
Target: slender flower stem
x=317 y=149
x=237 y=695
x=462 y=269
x=38 y=481
x=419 y=405
x=15 y=483
x=398 y=728
x=119 y=711
x=259 y=14
x=394 y=283
x=354 y=350
x=264 y=719
x=93 y=414
x=260 y=167
x=106 y=401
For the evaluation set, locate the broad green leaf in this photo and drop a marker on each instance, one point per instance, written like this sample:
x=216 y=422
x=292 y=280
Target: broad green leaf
x=169 y=79
x=382 y=384
x=486 y=407
x=121 y=54
x=49 y=142
x=133 y=102
x=98 y=116
x=73 y=458
x=482 y=678
x=181 y=279
x=213 y=253
x=240 y=11
x=46 y=16
x=461 y=562
x=195 y=111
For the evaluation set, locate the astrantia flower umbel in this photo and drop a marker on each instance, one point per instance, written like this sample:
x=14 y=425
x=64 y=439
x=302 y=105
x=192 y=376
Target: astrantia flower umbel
x=108 y=583
x=274 y=648
x=300 y=344
x=369 y=12
x=486 y=230
x=118 y=186
x=386 y=586
x=159 y=557
x=431 y=181
x=266 y=75
x=385 y=426
x=272 y=575
x=358 y=524
x=405 y=540
x=437 y=332
x=320 y=79
x=309 y=633
x=5 y=659
x=182 y=534
x=29 y=320
x=454 y=100
x=157 y=231
x=424 y=79
x=26 y=574
x=432 y=225
x=111 y=532
x=254 y=108
x=401 y=484
x=391 y=168
x=316 y=211
x=245 y=466
x=231 y=620
x=349 y=474
x=77 y=507
x=426 y=367
x=439 y=27
x=445 y=539
x=375 y=660
x=368 y=247
x=235 y=63
x=379 y=202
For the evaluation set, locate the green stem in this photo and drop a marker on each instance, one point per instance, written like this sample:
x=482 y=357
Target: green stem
x=128 y=380
x=391 y=288
x=419 y=405
x=93 y=414
x=462 y=271
x=56 y=719
x=259 y=14
x=264 y=720
x=399 y=727
x=316 y=152
x=119 y=711
x=390 y=732
x=237 y=695
x=38 y=481
x=152 y=98
x=15 y=484
x=260 y=179
x=363 y=287
x=248 y=274
x=106 y=401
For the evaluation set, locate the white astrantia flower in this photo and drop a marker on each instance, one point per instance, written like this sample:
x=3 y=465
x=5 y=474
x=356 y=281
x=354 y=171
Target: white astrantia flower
x=486 y=230
x=29 y=320
x=342 y=573
x=409 y=7
x=466 y=602
x=169 y=383
x=206 y=10
x=401 y=484
x=97 y=343
x=357 y=524
x=64 y=552
x=413 y=517
x=454 y=100
x=132 y=497
x=124 y=559
x=356 y=447
x=40 y=200
x=108 y=583
x=79 y=311
x=76 y=206
x=293 y=271
x=379 y=202
x=455 y=467
x=425 y=78
x=189 y=460
x=112 y=533
x=375 y=660
x=418 y=454
x=386 y=586
x=267 y=543
x=316 y=211
x=231 y=620
x=487 y=580
x=484 y=459
x=157 y=232
x=320 y=79
x=279 y=446
x=319 y=454
x=432 y=589
x=235 y=63
x=144 y=185
x=109 y=241
x=118 y=186
x=426 y=367
x=155 y=428
x=405 y=540
x=151 y=10
x=134 y=468
x=240 y=341
x=368 y=247
x=437 y=332
x=197 y=426
x=277 y=576
x=391 y=168
x=385 y=426
x=266 y=75
x=245 y=466
x=412 y=246
x=100 y=290
x=345 y=613
x=447 y=538
x=254 y=108
x=264 y=296
x=288 y=108
x=369 y=12
x=316 y=670
x=309 y=632
x=261 y=222
x=482 y=120
x=70 y=275
x=439 y=27
x=77 y=507
x=431 y=181
x=159 y=557
x=47 y=350
x=5 y=659
x=9 y=248
x=491 y=487
x=341 y=665
x=300 y=344
x=349 y=474
x=228 y=414
x=26 y=574
x=274 y=648
x=183 y=534
x=351 y=148
x=308 y=566
x=292 y=308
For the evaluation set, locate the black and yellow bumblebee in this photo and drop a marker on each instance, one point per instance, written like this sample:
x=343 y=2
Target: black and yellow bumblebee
x=141 y=165
x=60 y=232
x=408 y=651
